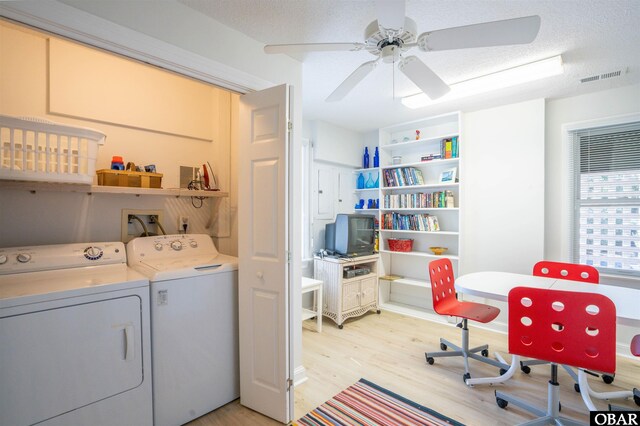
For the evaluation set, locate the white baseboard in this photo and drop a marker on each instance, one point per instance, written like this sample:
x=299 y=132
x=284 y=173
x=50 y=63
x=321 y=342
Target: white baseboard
x=299 y=376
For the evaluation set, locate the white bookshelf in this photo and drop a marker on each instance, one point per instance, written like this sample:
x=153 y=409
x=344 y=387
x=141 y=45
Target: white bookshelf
x=411 y=294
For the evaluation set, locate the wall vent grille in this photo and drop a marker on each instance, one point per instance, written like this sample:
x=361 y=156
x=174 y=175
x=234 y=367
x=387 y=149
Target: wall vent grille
x=604 y=76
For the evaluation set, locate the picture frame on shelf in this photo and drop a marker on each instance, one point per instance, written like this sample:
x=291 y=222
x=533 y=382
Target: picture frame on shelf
x=449 y=175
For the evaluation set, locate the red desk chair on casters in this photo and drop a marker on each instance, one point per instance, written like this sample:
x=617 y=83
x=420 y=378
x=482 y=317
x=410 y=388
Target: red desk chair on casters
x=572 y=272
x=561 y=327
x=445 y=302
x=635 y=393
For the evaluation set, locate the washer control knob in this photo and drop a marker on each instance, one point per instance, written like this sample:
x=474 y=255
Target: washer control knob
x=158 y=246
x=193 y=243
x=176 y=245
x=93 y=253
x=3 y=259
x=24 y=257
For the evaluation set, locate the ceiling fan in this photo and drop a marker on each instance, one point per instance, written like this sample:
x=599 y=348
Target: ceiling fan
x=393 y=34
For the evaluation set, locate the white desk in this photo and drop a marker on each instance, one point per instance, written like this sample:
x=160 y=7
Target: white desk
x=496 y=286
x=308 y=285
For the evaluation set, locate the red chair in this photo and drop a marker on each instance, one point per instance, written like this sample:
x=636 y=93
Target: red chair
x=566 y=271
x=572 y=272
x=635 y=393
x=561 y=327
x=445 y=302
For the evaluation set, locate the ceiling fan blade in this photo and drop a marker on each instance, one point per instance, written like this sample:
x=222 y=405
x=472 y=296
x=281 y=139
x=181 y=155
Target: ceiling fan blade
x=423 y=77
x=497 y=33
x=311 y=47
x=391 y=14
x=352 y=81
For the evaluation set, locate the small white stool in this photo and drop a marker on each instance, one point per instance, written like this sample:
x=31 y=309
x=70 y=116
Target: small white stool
x=310 y=284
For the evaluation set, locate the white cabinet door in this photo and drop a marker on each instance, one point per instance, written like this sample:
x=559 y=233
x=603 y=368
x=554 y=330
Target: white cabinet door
x=57 y=360
x=263 y=252
x=350 y=295
x=325 y=184
x=368 y=290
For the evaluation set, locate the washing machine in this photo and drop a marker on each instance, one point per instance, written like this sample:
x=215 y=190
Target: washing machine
x=194 y=324
x=75 y=343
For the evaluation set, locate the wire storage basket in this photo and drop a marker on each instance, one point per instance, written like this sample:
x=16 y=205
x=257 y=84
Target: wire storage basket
x=39 y=150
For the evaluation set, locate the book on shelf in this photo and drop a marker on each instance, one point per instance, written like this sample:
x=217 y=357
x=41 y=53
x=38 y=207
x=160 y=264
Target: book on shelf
x=403 y=176
x=418 y=200
x=449 y=148
x=410 y=222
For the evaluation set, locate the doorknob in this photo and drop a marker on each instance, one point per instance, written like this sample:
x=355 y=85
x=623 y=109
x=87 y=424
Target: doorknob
x=259 y=274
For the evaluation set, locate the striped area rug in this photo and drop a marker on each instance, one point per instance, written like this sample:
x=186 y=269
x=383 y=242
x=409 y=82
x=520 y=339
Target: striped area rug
x=368 y=404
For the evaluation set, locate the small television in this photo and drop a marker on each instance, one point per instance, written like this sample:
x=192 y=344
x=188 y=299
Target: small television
x=353 y=234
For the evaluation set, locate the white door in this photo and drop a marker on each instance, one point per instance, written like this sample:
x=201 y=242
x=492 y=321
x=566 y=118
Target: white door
x=263 y=253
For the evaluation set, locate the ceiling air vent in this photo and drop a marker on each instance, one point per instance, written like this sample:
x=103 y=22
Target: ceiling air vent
x=601 y=76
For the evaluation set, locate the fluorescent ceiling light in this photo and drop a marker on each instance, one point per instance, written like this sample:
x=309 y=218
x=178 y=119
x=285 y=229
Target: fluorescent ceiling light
x=498 y=80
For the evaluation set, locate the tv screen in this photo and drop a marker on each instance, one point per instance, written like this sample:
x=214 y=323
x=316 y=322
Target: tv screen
x=354 y=234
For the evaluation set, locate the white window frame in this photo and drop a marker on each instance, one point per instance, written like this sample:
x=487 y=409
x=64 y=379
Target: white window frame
x=568 y=210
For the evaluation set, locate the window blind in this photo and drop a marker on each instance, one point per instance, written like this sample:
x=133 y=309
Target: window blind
x=606 y=196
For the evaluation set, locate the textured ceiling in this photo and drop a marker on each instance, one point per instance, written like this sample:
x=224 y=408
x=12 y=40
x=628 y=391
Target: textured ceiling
x=593 y=36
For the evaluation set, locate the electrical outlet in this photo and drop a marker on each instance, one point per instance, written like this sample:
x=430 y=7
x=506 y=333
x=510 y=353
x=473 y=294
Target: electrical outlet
x=183 y=224
x=132 y=228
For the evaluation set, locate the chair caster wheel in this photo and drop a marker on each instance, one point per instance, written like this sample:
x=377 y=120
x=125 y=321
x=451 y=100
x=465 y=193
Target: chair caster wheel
x=501 y=402
x=525 y=368
x=559 y=406
x=576 y=387
x=443 y=347
x=607 y=379
x=430 y=360
x=378 y=312
x=466 y=376
x=503 y=371
x=485 y=352
x=341 y=326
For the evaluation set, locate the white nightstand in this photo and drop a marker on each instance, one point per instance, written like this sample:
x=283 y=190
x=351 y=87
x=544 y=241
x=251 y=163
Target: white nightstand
x=309 y=284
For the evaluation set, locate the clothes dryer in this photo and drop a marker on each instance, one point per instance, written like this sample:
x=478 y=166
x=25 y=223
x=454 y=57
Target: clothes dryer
x=194 y=324
x=74 y=337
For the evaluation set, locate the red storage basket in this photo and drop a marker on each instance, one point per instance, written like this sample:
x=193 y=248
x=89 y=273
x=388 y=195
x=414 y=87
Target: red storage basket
x=400 y=244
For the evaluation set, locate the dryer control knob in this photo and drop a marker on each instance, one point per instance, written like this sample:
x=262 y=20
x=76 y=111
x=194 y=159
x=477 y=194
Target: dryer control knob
x=158 y=246
x=24 y=257
x=193 y=244
x=3 y=259
x=176 y=245
x=93 y=253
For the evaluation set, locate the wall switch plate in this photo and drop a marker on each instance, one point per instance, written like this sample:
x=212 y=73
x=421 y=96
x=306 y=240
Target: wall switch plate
x=131 y=229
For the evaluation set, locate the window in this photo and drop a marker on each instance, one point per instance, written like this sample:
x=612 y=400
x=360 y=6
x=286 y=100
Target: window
x=606 y=197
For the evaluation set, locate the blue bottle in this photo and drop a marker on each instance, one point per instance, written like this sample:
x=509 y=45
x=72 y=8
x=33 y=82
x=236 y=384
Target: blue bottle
x=369 y=183
x=376 y=184
x=376 y=158
x=365 y=159
x=360 y=183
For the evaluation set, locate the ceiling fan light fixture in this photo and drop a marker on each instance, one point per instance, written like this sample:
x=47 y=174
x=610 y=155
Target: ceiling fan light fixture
x=494 y=81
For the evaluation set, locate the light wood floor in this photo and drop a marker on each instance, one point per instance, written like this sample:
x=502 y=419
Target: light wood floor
x=388 y=349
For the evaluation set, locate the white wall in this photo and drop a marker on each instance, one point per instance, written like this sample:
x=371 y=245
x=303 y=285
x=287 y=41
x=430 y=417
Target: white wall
x=334 y=144
x=502 y=176
x=597 y=105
